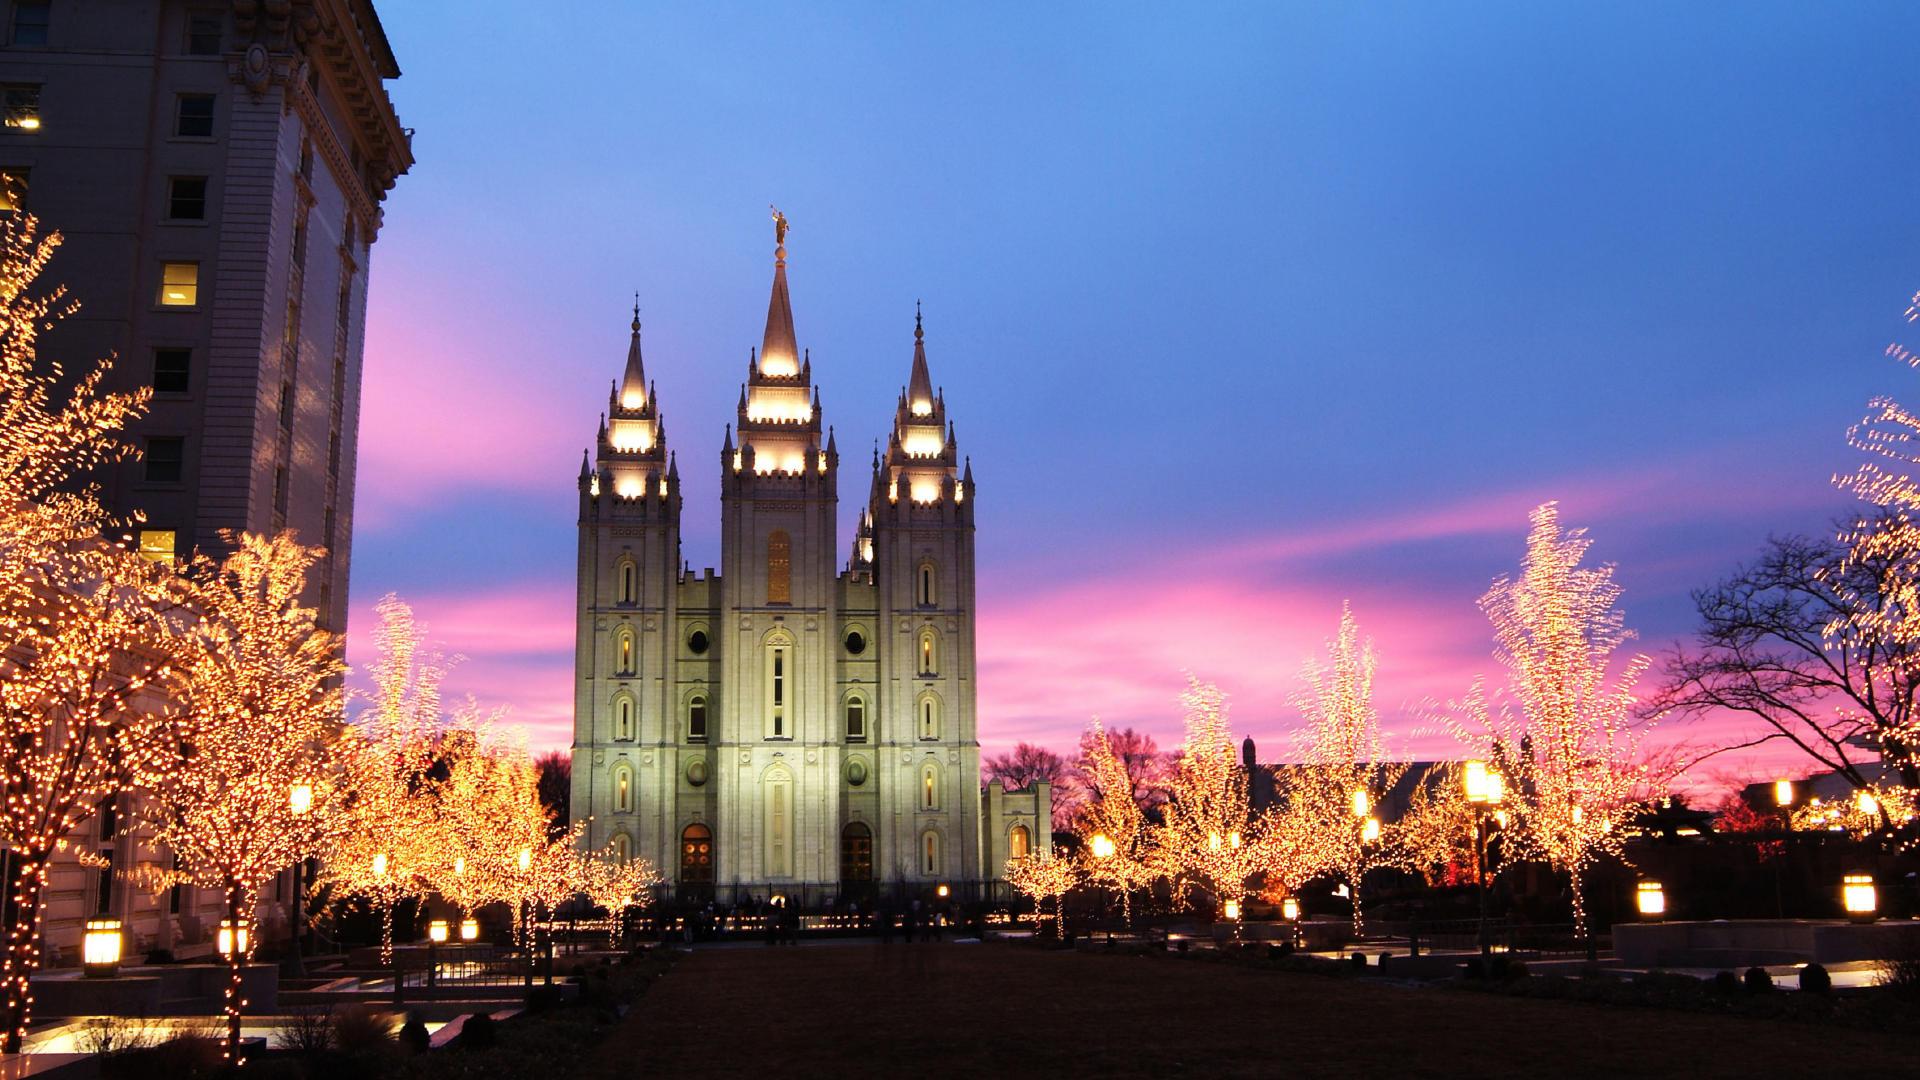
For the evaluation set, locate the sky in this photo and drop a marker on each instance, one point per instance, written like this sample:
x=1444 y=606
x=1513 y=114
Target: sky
x=1241 y=312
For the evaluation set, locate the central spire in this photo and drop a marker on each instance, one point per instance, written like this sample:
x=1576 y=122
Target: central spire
x=633 y=382
x=919 y=383
x=779 y=354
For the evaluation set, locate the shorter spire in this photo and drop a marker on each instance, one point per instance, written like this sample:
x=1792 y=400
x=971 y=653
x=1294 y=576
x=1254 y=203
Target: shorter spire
x=633 y=383
x=920 y=385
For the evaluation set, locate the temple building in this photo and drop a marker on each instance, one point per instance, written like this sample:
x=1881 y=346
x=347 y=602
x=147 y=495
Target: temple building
x=801 y=723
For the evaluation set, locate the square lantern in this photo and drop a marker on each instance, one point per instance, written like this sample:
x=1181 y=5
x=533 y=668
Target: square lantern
x=1232 y=910
x=1290 y=909
x=233 y=939
x=1651 y=900
x=100 y=948
x=437 y=931
x=469 y=929
x=1859 y=897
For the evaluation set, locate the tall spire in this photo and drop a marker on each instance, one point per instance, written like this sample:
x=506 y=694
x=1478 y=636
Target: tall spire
x=779 y=353
x=920 y=385
x=633 y=384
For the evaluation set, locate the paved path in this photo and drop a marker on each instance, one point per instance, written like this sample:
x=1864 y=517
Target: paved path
x=997 y=1010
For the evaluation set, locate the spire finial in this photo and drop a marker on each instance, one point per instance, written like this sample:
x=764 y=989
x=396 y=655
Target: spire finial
x=779 y=233
x=917 y=333
x=636 y=312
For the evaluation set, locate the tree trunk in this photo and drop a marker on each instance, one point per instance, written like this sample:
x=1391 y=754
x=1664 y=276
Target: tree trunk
x=1579 y=907
x=386 y=933
x=23 y=948
x=236 y=968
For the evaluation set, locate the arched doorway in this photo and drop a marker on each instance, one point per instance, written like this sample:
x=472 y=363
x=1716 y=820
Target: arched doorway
x=696 y=855
x=856 y=853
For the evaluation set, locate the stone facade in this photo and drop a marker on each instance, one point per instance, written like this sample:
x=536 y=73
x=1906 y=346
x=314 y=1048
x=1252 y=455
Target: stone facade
x=217 y=171
x=794 y=724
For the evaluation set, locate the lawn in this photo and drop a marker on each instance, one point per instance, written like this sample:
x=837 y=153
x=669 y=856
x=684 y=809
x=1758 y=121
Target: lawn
x=985 y=1010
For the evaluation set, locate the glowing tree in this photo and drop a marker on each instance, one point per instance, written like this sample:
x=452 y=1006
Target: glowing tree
x=1566 y=746
x=617 y=885
x=1329 y=815
x=1434 y=835
x=1208 y=837
x=252 y=786
x=1116 y=846
x=1041 y=878
x=84 y=648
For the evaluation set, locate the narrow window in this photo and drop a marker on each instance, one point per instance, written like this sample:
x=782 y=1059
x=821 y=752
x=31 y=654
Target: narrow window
x=157 y=545
x=779 y=793
x=30 y=21
x=103 y=897
x=171 y=370
x=623 y=718
x=179 y=284
x=856 y=720
x=625 y=652
x=622 y=848
x=929 y=788
x=779 y=568
x=22 y=103
x=779 y=691
x=193 y=116
x=623 y=789
x=929 y=718
x=697 y=718
x=926 y=585
x=928 y=655
x=187 y=198
x=166 y=459
x=930 y=853
x=203 y=34
x=1019 y=842
x=13 y=189
x=109 y=818
x=626 y=583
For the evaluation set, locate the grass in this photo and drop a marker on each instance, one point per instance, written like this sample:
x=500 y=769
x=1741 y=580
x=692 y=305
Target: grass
x=952 y=1010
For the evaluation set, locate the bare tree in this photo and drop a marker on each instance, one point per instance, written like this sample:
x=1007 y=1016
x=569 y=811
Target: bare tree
x=1778 y=642
x=556 y=787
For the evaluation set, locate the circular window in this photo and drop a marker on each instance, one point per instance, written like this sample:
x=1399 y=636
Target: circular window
x=856 y=772
x=697 y=642
x=856 y=643
x=697 y=771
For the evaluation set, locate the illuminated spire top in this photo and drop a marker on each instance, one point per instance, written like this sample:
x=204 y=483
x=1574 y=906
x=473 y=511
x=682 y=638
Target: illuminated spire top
x=779 y=353
x=920 y=385
x=633 y=384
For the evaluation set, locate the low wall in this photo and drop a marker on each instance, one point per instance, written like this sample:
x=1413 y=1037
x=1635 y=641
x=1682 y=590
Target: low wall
x=1751 y=942
x=158 y=990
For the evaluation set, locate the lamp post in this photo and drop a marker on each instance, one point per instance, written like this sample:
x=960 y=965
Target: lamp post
x=300 y=804
x=1103 y=849
x=1783 y=799
x=1485 y=790
x=100 y=949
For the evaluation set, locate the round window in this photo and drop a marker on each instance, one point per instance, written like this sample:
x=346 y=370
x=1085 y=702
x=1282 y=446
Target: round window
x=697 y=642
x=697 y=771
x=856 y=772
x=856 y=643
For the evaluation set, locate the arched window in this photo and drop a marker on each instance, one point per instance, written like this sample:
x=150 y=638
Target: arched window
x=856 y=719
x=627 y=589
x=778 y=784
x=622 y=847
x=856 y=852
x=929 y=653
x=929 y=716
x=929 y=787
x=778 y=677
x=697 y=718
x=623 y=652
x=925 y=592
x=622 y=789
x=930 y=852
x=696 y=855
x=623 y=718
x=1019 y=842
x=779 y=568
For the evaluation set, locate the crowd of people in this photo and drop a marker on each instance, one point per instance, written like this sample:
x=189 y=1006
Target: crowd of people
x=777 y=919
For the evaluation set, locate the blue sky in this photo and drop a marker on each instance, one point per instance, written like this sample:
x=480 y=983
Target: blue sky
x=1240 y=311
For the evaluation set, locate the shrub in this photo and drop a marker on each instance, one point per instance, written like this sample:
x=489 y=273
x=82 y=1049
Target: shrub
x=478 y=1032
x=357 y=1029
x=1815 y=980
x=307 y=1029
x=109 y=1035
x=1358 y=961
x=1726 y=983
x=414 y=1037
x=1899 y=973
x=184 y=1057
x=1757 y=981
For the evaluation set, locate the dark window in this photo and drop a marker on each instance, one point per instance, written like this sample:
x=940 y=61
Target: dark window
x=109 y=819
x=203 y=35
x=856 y=720
x=856 y=643
x=30 y=18
x=22 y=101
x=103 y=897
x=13 y=189
x=697 y=720
x=172 y=369
x=173 y=894
x=286 y=404
x=697 y=642
x=193 y=116
x=856 y=852
x=187 y=198
x=166 y=458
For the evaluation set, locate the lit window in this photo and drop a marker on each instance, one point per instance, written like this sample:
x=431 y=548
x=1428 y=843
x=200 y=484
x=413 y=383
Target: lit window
x=779 y=568
x=856 y=720
x=930 y=852
x=203 y=35
x=697 y=718
x=166 y=459
x=624 y=652
x=623 y=789
x=623 y=848
x=179 y=284
x=193 y=116
x=13 y=190
x=929 y=656
x=22 y=102
x=187 y=198
x=929 y=787
x=157 y=545
x=623 y=718
x=779 y=692
x=696 y=855
x=1019 y=842
x=171 y=370
x=929 y=717
x=30 y=20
